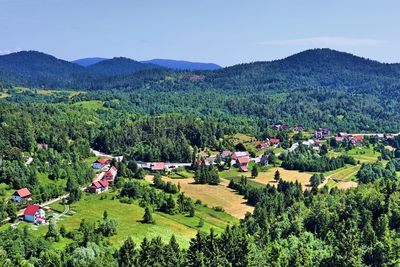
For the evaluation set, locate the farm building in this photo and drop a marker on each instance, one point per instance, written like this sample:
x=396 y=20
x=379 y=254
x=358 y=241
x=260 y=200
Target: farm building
x=274 y=141
x=240 y=154
x=111 y=174
x=242 y=163
x=98 y=187
x=35 y=214
x=157 y=166
x=100 y=163
x=21 y=195
x=356 y=139
x=261 y=145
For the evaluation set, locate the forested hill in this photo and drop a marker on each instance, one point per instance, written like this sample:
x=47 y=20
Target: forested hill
x=119 y=66
x=31 y=68
x=311 y=69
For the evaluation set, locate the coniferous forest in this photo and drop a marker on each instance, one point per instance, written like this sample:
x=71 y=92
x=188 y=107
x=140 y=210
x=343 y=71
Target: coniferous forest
x=149 y=113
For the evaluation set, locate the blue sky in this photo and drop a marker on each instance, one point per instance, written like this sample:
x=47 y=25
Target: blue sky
x=226 y=32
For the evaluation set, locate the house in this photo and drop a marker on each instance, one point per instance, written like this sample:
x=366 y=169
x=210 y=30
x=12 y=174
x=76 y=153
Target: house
x=240 y=154
x=35 y=214
x=344 y=134
x=21 y=195
x=100 y=163
x=42 y=146
x=261 y=145
x=380 y=136
x=274 y=141
x=357 y=139
x=298 y=128
x=309 y=142
x=225 y=154
x=157 y=166
x=111 y=174
x=242 y=163
x=318 y=135
x=280 y=127
x=264 y=159
x=325 y=131
x=98 y=187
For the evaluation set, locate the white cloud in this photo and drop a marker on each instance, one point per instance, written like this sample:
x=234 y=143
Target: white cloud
x=325 y=41
x=9 y=51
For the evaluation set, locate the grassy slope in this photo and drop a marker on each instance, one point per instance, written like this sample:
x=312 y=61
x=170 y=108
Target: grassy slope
x=129 y=217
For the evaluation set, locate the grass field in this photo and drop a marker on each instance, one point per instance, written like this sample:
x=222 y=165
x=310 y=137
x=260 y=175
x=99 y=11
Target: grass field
x=268 y=177
x=129 y=216
x=347 y=173
x=212 y=195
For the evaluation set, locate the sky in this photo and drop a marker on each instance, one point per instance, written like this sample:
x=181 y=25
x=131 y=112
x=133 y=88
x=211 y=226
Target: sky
x=225 y=32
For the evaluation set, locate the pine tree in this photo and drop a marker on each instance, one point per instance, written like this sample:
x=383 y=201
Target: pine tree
x=254 y=171
x=147 y=217
x=277 y=176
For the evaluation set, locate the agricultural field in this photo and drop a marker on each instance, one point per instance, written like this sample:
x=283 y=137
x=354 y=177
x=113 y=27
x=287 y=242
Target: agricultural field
x=213 y=195
x=129 y=216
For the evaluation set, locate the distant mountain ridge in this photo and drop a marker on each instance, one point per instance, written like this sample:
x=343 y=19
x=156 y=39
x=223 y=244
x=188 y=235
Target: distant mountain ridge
x=86 y=62
x=119 y=66
x=310 y=69
x=183 y=65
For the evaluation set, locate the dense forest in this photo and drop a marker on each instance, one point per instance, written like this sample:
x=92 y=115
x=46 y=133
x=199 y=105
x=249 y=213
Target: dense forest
x=157 y=114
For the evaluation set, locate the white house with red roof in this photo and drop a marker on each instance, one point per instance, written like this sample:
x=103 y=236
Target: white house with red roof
x=243 y=163
x=35 y=214
x=240 y=154
x=110 y=174
x=98 y=187
x=21 y=195
x=157 y=166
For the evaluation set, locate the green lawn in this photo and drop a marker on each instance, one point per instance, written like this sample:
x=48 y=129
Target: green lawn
x=129 y=217
x=347 y=172
x=181 y=174
x=91 y=105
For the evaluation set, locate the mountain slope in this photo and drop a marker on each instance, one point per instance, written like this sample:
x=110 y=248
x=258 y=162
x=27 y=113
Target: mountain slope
x=85 y=62
x=183 y=65
x=309 y=69
x=36 y=68
x=119 y=66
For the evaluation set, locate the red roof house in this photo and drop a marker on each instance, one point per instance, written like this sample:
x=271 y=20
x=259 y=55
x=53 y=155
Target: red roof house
x=242 y=163
x=261 y=145
x=158 y=166
x=274 y=141
x=30 y=213
x=111 y=174
x=240 y=154
x=98 y=187
x=21 y=194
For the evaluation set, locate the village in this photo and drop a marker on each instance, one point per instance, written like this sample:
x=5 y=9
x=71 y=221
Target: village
x=259 y=153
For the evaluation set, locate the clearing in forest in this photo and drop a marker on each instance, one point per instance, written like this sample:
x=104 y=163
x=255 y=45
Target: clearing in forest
x=213 y=195
x=287 y=175
x=129 y=216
